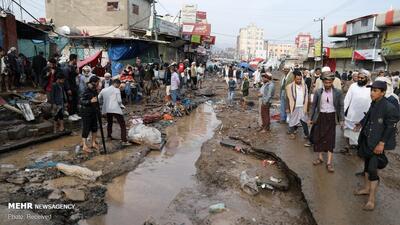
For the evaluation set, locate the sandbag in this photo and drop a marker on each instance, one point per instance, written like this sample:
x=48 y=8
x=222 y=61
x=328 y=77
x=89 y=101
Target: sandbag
x=142 y=134
x=77 y=171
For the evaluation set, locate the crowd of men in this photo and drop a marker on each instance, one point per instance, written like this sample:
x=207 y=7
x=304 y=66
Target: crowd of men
x=366 y=108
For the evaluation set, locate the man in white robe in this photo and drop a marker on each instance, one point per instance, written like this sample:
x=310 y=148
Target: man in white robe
x=356 y=104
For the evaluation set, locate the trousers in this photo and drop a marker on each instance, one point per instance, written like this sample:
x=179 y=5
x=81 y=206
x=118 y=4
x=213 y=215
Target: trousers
x=121 y=122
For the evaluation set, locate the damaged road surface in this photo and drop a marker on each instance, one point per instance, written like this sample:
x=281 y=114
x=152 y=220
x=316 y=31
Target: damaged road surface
x=149 y=190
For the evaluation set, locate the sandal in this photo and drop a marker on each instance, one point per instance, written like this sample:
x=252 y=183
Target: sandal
x=330 y=168
x=318 y=161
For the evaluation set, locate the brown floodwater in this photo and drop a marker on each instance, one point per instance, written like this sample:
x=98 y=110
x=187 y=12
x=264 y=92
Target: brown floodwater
x=149 y=189
x=26 y=156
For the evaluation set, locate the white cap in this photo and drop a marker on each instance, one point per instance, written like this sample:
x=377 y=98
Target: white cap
x=325 y=69
x=365 y=72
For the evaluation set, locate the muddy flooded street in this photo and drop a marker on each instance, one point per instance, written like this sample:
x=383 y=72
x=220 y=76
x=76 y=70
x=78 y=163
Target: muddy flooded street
x=149 y=190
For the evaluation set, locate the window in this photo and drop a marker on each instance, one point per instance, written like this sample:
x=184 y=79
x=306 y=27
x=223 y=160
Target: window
x=364 y=23
x=112 y=6
x=135 y=9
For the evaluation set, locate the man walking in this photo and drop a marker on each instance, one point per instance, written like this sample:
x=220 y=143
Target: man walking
x=112 y=104
x=327 y=110
x=287 y=78
x=356 y=104
x=378 y=134
x=297 y=104
x=266 y=93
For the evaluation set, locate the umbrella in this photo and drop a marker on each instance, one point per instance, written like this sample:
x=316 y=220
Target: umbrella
x=244 y=64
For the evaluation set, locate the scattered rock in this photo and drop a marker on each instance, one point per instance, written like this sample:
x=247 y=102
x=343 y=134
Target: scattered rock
x=17 y=180
x=33 y=132
x=75 y=217
x=3 y=136
x=56 y=194
x=17 y=132
x=74 y=194
x=44 y=127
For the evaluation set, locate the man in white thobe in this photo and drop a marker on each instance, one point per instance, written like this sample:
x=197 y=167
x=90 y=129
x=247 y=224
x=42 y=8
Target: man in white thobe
x=356 y=104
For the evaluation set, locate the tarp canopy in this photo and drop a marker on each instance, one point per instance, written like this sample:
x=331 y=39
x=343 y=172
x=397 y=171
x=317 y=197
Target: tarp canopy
x=118 y=52
x=92 y=60
x=244 y=64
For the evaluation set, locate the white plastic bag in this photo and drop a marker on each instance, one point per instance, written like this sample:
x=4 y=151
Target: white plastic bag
x=142 y=134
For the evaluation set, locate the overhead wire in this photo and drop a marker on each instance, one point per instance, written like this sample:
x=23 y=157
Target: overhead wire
x=336 y=9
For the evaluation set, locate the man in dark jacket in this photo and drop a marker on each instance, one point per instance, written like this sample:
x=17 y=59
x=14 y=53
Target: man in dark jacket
x=378 y=134
x=89 y=113
x=38 y=64
x=71 y=73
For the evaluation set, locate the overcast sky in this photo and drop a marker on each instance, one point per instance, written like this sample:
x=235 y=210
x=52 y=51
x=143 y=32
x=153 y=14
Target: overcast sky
x=280 y=19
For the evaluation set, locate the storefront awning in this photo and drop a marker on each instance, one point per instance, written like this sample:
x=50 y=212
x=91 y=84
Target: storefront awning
x=390 y=18
x=92 y=60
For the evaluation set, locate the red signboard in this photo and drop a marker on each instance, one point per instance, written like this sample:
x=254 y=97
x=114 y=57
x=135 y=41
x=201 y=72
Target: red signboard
x=208 y=39
x=196 y=29
x=201 y=17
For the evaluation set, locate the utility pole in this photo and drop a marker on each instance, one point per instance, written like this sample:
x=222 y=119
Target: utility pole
x=155 y=21
x=22 y=19
x=322 y=38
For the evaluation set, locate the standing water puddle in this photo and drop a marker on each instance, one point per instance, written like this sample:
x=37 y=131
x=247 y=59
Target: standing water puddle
x=149 y=189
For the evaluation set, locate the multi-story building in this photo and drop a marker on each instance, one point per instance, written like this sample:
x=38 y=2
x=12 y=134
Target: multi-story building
x=250 y=43
x=362 y=49
x=279 y=50
x=389 y=22
x=95 y=17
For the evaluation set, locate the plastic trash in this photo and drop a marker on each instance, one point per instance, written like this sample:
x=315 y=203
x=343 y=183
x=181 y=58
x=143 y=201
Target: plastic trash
x=78 y=171
x=77 y=149
x=266 y=186
x=276 y=180
x=7 y=166
x=268 y=162
x=41 y=165
x=142 y=134
x=217 y=208
x=248 y=184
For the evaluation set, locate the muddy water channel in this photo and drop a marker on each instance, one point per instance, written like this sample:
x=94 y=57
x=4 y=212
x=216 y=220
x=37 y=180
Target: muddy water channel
x=149 y=189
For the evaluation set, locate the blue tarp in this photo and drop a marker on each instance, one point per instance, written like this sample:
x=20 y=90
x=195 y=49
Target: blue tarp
x=244 y=64
x=118 y=52
x=116 y=67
